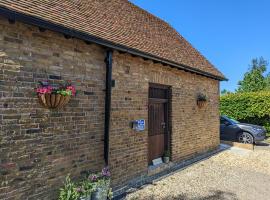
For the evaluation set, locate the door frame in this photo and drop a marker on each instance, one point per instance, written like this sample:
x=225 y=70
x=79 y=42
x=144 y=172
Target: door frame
x=167 y=114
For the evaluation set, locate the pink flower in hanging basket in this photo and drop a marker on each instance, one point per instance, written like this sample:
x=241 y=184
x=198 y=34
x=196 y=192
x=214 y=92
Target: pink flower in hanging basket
x=72 y=89
x=44 y=90
x=55 y=96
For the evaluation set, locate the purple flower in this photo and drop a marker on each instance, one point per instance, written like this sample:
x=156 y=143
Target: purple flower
x=105 y=172
x=79 y=189
x=93 y=177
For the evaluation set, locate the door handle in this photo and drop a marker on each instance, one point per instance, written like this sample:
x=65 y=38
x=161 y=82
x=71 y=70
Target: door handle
x=163 y=125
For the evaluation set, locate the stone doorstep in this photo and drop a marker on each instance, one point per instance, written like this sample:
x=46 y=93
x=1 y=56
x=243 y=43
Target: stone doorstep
x=239 y=145
x=152 y=170
x=156 y=173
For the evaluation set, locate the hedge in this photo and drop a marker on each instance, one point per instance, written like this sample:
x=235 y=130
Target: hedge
x=251 y=107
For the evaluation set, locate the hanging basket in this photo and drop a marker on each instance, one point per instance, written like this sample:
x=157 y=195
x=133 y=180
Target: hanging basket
x=201 y=103
x=53 y=101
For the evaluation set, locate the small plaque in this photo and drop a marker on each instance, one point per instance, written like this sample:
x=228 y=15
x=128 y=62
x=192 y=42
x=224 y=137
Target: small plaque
x=157 y=161
x=139 y=125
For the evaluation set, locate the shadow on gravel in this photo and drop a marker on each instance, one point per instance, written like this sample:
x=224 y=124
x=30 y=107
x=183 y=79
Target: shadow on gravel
x=220 y=195
x=216 y=195
x=262 y=144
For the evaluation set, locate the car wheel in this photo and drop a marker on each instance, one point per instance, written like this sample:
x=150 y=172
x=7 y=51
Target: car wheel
x=245 y=138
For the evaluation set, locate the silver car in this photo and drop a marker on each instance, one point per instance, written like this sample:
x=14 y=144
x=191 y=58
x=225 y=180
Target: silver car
x=233 y=130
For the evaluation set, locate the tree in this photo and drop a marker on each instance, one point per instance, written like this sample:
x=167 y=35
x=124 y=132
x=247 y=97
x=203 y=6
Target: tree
x=224 y=92
x=255 y=80
x=267 y=82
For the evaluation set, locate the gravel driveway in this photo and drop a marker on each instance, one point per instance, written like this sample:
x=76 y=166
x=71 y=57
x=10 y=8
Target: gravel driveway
x=230 y=175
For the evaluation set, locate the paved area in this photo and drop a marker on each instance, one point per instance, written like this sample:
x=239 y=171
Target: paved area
x=234 y=174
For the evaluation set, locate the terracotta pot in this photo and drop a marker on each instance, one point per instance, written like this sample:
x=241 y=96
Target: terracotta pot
x=53 y=101
x=201 y=103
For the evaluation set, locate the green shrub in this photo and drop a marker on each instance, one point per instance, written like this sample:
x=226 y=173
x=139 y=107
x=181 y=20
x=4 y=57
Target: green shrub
x=69 y=191
x=251 y=107
x=167 y=153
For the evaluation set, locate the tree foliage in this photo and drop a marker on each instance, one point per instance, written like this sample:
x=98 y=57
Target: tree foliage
x=255 y=79
x=224 y=92
x=251 y=101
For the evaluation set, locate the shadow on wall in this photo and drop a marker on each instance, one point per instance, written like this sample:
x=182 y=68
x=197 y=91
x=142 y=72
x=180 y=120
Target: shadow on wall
x=215 y=194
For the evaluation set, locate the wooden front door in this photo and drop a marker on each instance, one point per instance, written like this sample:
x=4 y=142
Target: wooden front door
x=157 y=121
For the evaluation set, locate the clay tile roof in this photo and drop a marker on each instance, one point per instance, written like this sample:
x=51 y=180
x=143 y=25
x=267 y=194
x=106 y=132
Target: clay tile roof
x=119 y=22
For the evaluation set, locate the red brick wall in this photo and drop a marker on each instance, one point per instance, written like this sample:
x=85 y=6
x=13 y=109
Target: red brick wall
x=194 y=130
x=39 y=147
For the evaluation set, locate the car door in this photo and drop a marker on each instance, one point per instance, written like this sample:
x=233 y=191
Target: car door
x=228 y=130
x=222 y=128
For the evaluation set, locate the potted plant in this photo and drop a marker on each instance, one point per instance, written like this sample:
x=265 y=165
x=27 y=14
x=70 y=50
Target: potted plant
x=201 y=100
x=93 y=187
x=166 y=156
x=55 y=97
x=69 y=191
x=102 y=189
x=76 y=191
x=85 y=189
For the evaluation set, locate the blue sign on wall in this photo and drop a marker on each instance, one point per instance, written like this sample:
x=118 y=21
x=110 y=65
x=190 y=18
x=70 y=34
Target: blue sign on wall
x=139 y=125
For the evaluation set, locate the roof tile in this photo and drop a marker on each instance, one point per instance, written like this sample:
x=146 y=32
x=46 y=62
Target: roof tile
x=117 y=21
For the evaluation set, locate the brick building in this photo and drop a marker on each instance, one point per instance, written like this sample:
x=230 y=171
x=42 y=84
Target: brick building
x=127 y=65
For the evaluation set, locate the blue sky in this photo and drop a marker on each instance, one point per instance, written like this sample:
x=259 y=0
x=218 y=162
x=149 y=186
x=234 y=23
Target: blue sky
x=228 y=32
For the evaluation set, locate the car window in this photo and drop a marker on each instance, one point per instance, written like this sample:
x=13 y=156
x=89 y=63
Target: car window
x=222 y=121
x=234 y=121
